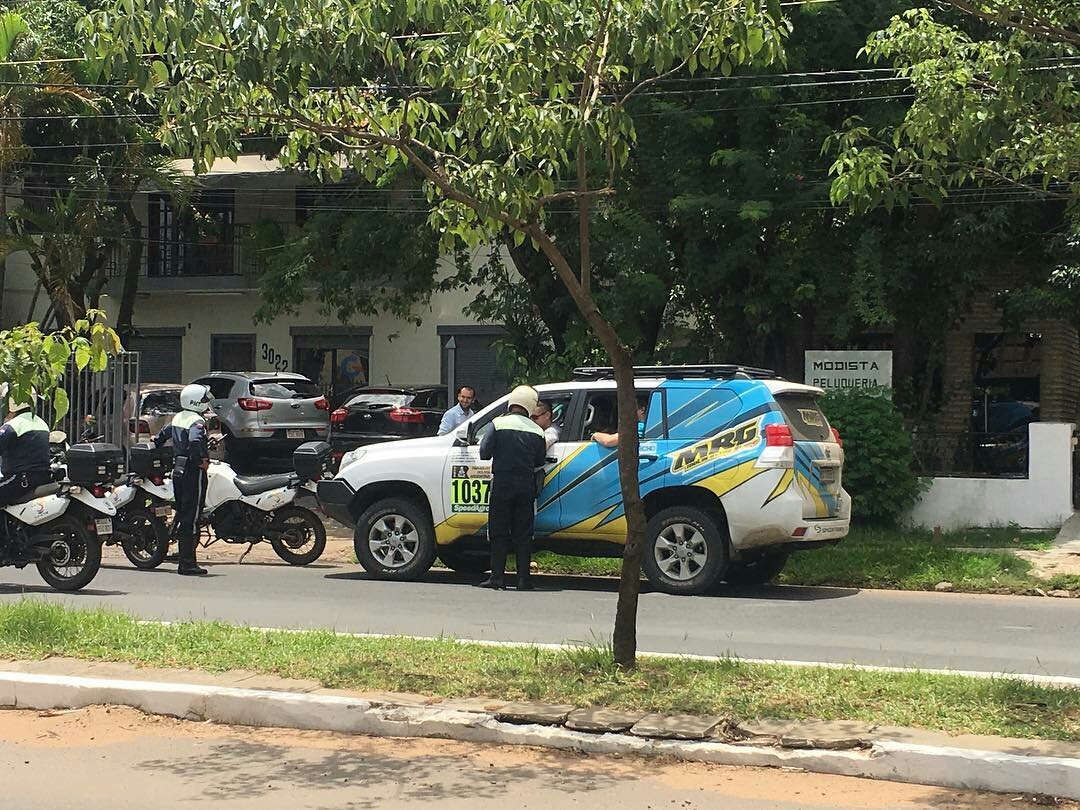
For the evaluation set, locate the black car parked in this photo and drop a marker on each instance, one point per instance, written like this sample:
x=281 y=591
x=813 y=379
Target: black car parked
x=380 y=414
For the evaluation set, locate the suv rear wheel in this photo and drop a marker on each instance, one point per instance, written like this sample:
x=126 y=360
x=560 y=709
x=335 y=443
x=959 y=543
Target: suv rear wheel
x=394 y=539
x=686 y=550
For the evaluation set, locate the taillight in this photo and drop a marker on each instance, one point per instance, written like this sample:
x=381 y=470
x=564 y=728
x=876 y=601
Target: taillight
x=322 y=404
x=836 y=437
x=407 y=415
x=144 y=428
x=98 y=491
x=254 y=404
x=338 y=416
x=778 y=436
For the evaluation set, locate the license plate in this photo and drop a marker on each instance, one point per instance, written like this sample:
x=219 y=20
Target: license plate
x=103 y=526
x=295 y=434
x=162 y=511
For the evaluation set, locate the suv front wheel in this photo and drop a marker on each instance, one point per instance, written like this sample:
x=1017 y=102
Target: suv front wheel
x=686 y=550
x=394 y=539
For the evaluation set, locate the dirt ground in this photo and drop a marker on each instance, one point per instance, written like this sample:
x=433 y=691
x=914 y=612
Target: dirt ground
x=169 y=763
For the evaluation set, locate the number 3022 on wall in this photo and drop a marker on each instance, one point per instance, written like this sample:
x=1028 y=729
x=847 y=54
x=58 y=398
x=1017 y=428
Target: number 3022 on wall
x=276 y=361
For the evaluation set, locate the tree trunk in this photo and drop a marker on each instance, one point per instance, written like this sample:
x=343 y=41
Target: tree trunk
x=131 y=273
x=64 y=308
x=624 y=638
x=3 y=230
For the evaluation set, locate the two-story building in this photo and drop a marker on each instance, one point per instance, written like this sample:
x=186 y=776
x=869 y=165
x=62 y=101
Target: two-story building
x=198 y=295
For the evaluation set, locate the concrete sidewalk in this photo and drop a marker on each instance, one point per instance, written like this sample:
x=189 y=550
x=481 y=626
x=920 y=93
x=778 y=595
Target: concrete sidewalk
x=855 y=749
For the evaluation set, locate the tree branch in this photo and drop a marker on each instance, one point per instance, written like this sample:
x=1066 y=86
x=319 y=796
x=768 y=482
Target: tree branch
x=1030 y=26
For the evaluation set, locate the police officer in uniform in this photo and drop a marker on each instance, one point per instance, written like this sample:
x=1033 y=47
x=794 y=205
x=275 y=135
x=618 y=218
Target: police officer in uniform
x=516 y=446
x=24 y=445
x=191 y=457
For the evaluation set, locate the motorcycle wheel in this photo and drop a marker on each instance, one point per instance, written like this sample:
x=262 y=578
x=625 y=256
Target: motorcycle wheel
x=144 y=537
x=74 y=557
x=299 y=536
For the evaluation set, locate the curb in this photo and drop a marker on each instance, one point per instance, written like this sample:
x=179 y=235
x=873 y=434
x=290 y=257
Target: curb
x=888 y=760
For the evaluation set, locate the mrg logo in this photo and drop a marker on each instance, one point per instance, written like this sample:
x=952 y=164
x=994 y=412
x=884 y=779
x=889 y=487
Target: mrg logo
x=719 y=446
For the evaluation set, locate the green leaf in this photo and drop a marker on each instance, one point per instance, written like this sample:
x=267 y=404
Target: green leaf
x=82 y=355
x=755 y=38
x=160 y=72
x=60 y=404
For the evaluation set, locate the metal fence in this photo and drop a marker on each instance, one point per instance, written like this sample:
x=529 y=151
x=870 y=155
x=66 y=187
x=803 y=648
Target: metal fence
x=968 y=453
x=102 y=402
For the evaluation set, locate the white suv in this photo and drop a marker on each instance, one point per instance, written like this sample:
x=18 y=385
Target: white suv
x=738 y=469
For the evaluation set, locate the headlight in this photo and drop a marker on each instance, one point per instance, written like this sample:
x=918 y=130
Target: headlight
x=350 y=457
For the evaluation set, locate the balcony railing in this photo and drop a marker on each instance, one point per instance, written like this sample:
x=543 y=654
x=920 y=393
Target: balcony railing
x=231 y=254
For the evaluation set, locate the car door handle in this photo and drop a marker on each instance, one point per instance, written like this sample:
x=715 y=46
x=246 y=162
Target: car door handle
x=647 y=456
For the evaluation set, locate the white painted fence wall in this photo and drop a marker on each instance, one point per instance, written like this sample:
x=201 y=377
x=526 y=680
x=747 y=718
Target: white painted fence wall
x=1042 y=500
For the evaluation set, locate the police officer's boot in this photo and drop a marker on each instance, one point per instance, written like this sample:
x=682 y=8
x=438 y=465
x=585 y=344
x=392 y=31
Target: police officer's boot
x=188 y=566
x=523 y=554
x=497 y=580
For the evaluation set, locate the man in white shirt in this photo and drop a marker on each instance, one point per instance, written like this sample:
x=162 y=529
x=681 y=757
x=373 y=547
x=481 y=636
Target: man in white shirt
x=461 y=412
x=543 y=416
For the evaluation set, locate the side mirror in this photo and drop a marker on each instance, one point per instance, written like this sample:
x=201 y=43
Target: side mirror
x=462 y=438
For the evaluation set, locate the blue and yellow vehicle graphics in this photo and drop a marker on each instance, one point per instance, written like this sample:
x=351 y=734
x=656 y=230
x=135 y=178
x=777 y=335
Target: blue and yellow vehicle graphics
x=697 y=433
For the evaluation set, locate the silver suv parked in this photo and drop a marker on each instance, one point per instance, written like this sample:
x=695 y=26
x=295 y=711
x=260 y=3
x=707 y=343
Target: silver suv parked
x=266 y=413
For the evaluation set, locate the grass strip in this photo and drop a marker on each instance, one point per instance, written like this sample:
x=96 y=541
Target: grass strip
x=894 y=559
x=584 y=677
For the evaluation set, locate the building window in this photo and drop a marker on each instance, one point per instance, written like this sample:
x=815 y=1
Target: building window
x=199 y=240
x=1007 y=372
x=336 y=360
x=232 y=352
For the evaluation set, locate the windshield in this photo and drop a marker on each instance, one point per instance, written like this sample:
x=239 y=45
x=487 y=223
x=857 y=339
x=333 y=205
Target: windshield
x=285 y=389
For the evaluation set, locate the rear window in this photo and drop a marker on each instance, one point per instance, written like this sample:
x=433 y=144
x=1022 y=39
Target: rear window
x=379 y=400
x=161 y=402
x=807 y=422
x=285 y=389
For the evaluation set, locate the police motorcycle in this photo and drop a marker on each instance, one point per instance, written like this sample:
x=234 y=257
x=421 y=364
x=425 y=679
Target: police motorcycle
x=137 y=528
x=143 y=501
x=253 y=508
x=40 y=530
x=60 y=526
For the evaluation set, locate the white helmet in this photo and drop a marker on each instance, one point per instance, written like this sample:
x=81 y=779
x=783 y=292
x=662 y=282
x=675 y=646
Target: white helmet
x=195 y=397
x=14 y=406
x=524 y=396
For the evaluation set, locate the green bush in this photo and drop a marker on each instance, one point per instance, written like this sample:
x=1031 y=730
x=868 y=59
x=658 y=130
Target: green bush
x=878 y=463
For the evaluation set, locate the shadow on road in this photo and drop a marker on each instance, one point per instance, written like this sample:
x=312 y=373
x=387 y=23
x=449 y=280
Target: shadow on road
x=561 y=582
x=253 y=770
x=13 y=589
x=786 y=593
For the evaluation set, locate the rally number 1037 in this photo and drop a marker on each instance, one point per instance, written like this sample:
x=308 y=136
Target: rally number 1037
x=470 y=494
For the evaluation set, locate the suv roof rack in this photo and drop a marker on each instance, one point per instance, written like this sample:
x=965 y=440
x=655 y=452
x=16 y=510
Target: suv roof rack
x=708 y=372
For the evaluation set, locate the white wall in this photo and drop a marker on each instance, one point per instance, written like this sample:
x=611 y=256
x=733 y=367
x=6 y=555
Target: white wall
x=1042 y=500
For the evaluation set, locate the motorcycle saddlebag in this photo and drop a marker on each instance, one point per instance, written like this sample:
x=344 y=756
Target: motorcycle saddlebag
x=310 y=460
x=147 y=460
x=94 y=463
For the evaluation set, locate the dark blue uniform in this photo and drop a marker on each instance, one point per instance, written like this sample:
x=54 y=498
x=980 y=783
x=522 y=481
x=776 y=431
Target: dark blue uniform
x=24 y=456
x=517 y=447
x=190 y=453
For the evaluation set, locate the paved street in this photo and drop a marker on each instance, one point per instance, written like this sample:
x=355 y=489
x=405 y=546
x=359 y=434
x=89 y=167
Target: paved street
x=77 y=759
x=988 y=633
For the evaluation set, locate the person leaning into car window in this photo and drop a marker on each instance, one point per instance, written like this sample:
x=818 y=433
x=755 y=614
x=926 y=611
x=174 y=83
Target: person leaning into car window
x=612 y=439
x=515 y=445
x=459 y=413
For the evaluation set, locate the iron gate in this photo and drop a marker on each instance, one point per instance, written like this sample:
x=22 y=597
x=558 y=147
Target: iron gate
x=102 y=403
